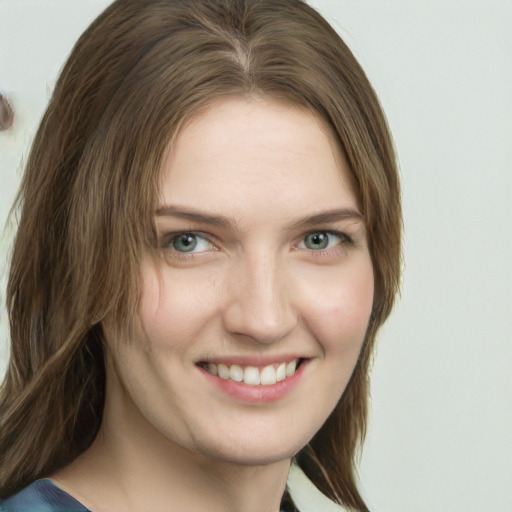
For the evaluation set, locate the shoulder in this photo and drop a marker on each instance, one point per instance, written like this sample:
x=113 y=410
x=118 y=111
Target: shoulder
x=42 y=496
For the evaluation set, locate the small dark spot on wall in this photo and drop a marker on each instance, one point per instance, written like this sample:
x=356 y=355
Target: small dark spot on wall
x=6 y=114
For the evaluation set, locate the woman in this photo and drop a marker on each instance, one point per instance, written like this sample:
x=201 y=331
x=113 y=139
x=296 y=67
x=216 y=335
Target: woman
x=209 y=240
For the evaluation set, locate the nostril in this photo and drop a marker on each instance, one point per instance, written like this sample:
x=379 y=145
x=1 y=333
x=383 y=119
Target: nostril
x=6 y=114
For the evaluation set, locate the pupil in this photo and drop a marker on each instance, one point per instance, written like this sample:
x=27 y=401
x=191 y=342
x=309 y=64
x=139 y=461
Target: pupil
x=318 y=240
x=185 y=243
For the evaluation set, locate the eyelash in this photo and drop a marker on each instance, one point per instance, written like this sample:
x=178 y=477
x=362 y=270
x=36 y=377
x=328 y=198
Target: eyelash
x=169 y=239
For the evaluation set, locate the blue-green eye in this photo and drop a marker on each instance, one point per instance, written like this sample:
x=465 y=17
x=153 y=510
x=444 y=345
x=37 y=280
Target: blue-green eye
x=190 y=242
x=320 y=241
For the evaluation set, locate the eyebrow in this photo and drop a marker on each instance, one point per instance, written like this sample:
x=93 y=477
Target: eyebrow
x=194 y=215
x=326 y=217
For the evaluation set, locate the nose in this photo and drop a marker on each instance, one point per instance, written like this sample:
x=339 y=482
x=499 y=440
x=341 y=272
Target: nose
x=259 y=305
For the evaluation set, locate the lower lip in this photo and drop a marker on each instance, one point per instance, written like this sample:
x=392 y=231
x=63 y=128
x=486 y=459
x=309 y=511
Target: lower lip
x=257 y=394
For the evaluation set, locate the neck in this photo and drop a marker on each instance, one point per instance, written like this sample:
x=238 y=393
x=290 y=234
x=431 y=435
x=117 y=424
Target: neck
x=144 y=480
x=132 y=467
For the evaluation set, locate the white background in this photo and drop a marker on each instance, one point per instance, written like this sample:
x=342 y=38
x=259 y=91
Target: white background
x=440 y=438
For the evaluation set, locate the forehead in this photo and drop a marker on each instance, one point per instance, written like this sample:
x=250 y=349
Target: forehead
x=245 y=153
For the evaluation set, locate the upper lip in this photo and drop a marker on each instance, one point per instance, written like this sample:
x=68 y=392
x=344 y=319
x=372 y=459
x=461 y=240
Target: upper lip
x=252 y=360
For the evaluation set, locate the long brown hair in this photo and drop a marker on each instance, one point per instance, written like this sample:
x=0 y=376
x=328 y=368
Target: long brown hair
x=90 y=186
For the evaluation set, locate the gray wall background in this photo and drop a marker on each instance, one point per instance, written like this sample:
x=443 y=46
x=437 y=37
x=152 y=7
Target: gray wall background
x=440 y=433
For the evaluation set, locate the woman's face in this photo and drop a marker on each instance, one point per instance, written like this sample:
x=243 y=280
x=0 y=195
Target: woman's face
x=252 y=319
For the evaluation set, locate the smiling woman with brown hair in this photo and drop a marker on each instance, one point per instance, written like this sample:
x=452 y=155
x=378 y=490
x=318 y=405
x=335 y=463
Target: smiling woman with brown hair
x=209 y=240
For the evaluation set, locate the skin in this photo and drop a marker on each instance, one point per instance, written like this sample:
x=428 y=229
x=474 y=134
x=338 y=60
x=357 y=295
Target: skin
x=254 y=287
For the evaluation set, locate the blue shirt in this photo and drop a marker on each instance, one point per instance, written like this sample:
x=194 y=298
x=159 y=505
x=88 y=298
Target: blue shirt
x=42 y=496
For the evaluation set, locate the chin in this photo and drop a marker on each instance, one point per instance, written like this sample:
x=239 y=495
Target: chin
x=255 y=448
x=253 y=456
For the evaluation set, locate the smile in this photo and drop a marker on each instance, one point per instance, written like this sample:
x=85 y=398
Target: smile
x=254 y=375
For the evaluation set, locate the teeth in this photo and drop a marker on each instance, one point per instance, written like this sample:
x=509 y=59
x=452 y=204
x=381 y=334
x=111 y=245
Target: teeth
x=290 y=368
x=268 y=376
x=252 y=375
x=223 y=371
x=281 y=372
x=212 y=368
x=236 y=373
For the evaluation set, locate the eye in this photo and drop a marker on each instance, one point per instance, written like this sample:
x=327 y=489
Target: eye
x=188 y=243
x=321 y=240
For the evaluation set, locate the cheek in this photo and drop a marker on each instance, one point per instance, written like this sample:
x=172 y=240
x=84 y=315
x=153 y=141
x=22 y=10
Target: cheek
x=174 y=305
x=339 y=312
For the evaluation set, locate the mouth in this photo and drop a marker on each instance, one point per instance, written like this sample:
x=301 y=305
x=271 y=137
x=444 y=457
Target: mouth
x=253 y=375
